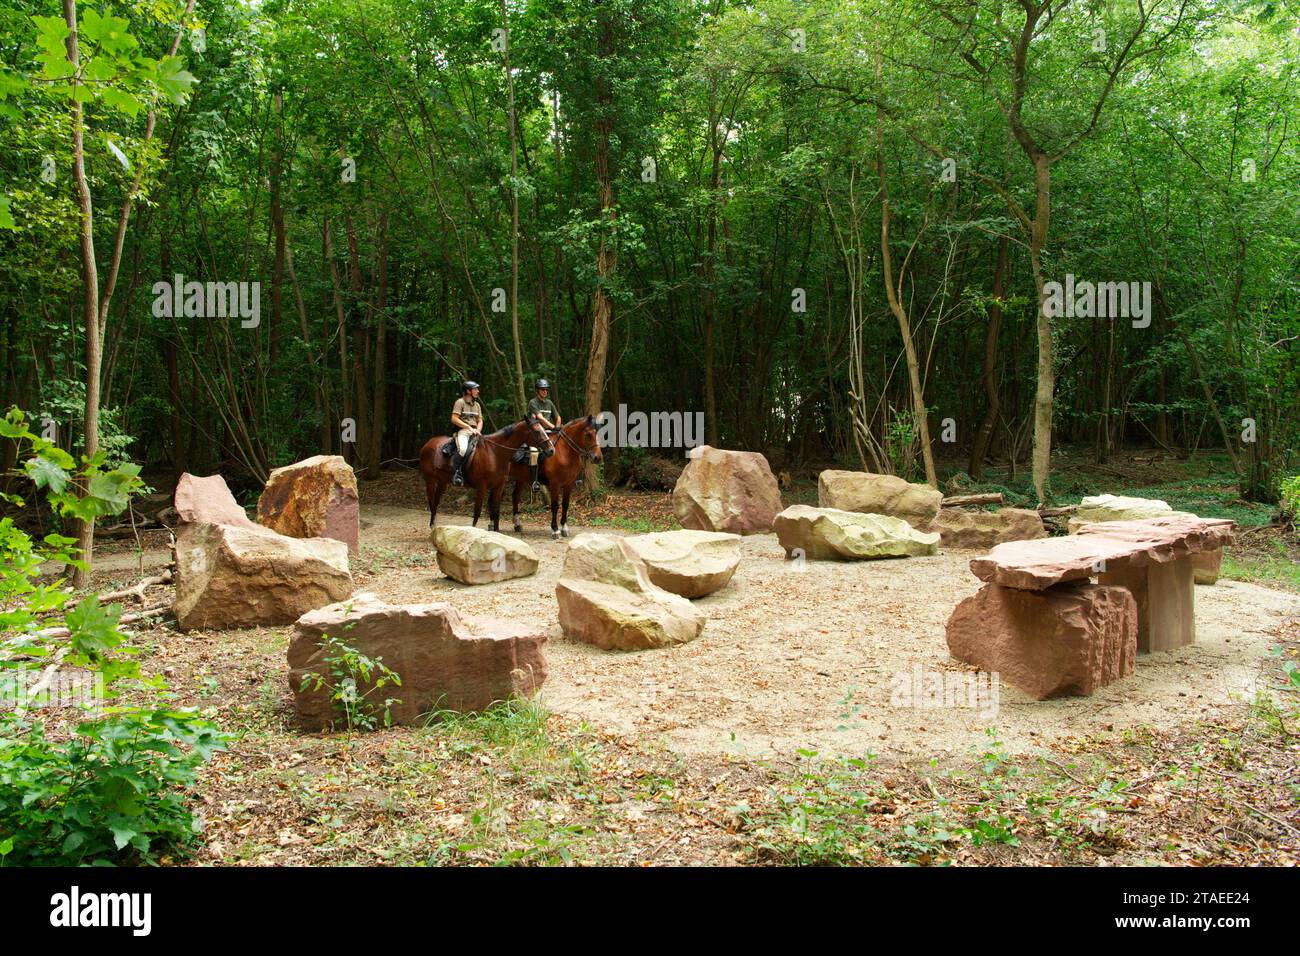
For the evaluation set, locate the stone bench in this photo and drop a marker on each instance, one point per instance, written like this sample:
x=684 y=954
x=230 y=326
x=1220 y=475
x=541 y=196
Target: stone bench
x=1151 y=560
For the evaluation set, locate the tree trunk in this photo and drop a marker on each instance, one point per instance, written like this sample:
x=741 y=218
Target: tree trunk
x=90 y=292
x=992 y=392
x=1042 y=462
x=606 y=257
x=894 y=296
x=520 y=399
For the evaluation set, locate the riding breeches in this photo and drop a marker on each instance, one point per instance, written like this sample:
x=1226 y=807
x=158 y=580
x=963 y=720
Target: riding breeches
x=462 y=440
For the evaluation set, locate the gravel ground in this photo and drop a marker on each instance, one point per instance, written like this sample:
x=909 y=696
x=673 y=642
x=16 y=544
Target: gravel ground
x=810 y=657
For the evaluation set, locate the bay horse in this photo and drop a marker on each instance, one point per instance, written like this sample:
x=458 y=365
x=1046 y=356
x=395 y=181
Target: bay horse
x=486 y=471
x=571 y=445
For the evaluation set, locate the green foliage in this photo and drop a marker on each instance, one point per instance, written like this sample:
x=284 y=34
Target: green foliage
x=900 y=443
x=1289 y=492
x=351 y=680
x=107 y=786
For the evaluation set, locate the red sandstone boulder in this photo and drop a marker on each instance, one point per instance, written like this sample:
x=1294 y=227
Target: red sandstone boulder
x=208 y=500
x=1068 y=640
x=1206 y=566
x=313 y=498
x=445 y=661
x=729 y=491
x=1035 y=565
x=230 y=575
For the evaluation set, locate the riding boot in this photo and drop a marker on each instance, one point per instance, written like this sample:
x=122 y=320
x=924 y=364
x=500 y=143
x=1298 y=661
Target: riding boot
x=533 y=470
x=457 y=477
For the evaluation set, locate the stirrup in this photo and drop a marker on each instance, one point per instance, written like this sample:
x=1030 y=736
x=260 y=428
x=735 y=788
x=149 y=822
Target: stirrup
x=458 y=478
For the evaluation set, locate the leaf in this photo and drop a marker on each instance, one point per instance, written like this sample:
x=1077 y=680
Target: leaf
x=46 y=474
x=122 y=834
x=121 y=156
x=122 y=101
x=174 y=79
x=50 y=34
x=6 y=217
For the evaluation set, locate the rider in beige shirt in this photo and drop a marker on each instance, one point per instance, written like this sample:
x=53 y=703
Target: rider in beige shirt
x=467 y=416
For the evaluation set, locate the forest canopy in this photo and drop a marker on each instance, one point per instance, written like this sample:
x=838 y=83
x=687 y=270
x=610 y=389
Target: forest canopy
x=883 y=233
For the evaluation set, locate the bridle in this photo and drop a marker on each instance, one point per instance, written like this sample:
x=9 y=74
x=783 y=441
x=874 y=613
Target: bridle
x=535 y=427
x=585 y=454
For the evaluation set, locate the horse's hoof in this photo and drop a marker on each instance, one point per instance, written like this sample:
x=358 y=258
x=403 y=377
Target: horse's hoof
x=519 y=529
x=564 y=532
x=555 y=536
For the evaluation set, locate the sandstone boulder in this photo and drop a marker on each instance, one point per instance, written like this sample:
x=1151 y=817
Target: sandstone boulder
x=618 y=618
x=689 y=563
x=475 y=556
x=208 y=501
x=1103 y=508
x=231 y=575
x=981 y=530
x=1068 y=640
x=1035 y=565
x=1206 y=566
x=606 y=558
x=728 y=491
x=888 y=495
x=314 y=498
x=445 y=661
x=822 y=534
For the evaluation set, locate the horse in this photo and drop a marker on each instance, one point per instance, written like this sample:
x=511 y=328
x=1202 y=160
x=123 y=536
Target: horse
x=572 y=446
x=486 y=471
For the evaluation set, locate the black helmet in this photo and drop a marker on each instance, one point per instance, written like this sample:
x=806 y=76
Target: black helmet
x=542 y=383
x=470 y=383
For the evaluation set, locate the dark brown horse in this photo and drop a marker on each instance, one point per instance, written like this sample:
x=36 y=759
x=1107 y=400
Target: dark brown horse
x=486 y=472
x=574 y=444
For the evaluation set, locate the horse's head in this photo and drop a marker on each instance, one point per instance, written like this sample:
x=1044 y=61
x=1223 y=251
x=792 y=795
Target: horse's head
x=588 y=438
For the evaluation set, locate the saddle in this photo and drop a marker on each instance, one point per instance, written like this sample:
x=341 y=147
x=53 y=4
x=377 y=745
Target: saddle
x=449 y=447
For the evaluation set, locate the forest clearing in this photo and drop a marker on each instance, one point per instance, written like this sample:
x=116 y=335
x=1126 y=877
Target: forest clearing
x=649 y=435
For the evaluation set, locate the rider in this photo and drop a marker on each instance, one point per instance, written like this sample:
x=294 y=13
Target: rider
x=543 y=411
x=467 y=416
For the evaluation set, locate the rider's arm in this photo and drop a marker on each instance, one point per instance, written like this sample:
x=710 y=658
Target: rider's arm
x=456 y=420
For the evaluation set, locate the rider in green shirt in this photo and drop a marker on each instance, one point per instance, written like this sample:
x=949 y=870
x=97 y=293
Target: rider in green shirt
x=542 y=410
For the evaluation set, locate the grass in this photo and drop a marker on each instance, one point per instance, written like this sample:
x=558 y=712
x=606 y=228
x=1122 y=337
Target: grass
x=1204 y=485
x=1269 y=570
x=639 y=524
x=847 y=811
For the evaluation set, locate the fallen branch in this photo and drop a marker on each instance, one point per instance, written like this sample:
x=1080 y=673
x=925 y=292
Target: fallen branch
x=1055 y=512
x=145 y=615
x=137 y=592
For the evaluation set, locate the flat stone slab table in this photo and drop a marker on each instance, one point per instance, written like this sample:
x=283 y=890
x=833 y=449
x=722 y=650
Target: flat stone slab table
x=1151 y=557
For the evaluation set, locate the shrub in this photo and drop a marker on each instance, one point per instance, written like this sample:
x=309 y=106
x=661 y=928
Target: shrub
x=109 y=785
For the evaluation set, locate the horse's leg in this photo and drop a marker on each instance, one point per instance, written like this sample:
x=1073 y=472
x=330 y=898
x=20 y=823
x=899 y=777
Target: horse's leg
x=555 y=507
x=564 y=520
x=435 y=498
x=494 y=507
x=514 y=500
x=431 y=492
x=478 y=502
